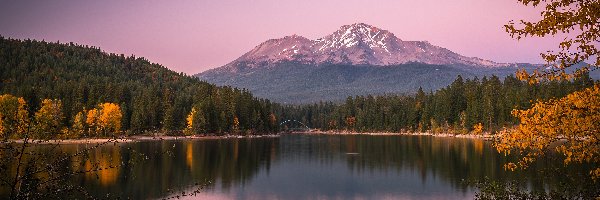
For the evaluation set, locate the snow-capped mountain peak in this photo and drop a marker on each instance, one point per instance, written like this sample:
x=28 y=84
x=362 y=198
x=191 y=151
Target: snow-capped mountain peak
x=354 y=35
x=355 y=44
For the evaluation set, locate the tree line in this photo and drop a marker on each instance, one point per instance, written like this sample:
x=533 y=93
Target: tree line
x=465 y=106
x=77 y=82
x=149 y=96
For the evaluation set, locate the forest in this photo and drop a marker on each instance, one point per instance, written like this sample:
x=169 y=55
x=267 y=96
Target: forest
x=55 y=90
x=466 y=106
x=75 y=79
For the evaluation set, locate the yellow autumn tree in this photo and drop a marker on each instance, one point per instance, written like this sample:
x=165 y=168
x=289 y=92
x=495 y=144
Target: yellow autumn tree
x=13 y=116
x=91 y=120
x=190 y=123
x=78 y=128
x=570 y=126
x=105 y=119
x=570 y=122
x=477 y=129
x=109 y=118
x=236 y=125
x=578 y=20
x=48 y=119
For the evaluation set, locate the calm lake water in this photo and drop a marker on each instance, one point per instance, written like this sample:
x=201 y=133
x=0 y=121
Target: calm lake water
x=301 y=167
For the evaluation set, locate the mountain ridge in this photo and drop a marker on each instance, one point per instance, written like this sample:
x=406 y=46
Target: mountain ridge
x=355 y=44
x=357 y=59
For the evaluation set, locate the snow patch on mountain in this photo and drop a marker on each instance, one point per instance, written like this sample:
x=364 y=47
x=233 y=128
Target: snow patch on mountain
x=355 y=44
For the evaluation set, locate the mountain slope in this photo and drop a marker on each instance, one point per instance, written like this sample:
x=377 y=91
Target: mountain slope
x=357 y=59
x=300 y=83
x=356 y=44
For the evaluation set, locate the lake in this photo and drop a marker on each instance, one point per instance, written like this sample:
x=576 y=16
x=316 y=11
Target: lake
x=301 y=167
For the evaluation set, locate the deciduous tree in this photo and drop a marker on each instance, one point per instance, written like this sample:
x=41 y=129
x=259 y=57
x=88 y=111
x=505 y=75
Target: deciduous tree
x=91 y=120
x=78 y=128
x=189 y=129
x=570 y=17
x=574 y=118
x=109 y=119
x=14 y=117
x=48 y=119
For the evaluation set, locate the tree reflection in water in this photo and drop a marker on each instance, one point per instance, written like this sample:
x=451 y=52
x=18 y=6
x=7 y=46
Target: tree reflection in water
x=306 y=166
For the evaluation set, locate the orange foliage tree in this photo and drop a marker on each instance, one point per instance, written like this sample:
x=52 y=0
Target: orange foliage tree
x=109 y=119
x=574 y=119
x=196 y=122
x=14 y=118
x=477 y=129
x=48 y=119
x=236 y=125
x=105 y=119
x=579 y=20
x=189 y=129
x=91 y=119
x=78 y=128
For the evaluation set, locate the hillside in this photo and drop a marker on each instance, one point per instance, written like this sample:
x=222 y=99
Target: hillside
x=152 y=97
x=300 y=83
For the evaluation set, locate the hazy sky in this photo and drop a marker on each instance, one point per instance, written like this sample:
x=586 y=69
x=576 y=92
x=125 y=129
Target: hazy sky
x=193 y=36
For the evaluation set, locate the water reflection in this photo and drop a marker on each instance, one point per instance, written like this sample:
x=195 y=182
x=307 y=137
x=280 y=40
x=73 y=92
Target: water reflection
x=298 y=167
x=107 y=160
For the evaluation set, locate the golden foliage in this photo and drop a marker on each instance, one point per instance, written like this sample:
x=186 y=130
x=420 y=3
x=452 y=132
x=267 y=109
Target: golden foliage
x=190 y=122
x=236 y=124
x=110 y=117
x=78 y=128
x=13 y=116
x=563 y=16
x=48 y=119
x=104 y=119
x=91 y=118
x=22 y=117
x=477 y=129
x=572 y=123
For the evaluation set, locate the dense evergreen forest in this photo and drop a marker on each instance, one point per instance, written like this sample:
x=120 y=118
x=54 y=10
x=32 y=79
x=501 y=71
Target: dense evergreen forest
x=465 y=106
x=150 y=96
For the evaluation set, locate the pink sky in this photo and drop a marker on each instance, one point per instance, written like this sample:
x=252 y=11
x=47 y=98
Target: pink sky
x=193 y=36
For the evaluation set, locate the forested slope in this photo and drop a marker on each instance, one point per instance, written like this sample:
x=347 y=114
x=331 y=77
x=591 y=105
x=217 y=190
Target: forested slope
x=151 y=97
x=464 y=106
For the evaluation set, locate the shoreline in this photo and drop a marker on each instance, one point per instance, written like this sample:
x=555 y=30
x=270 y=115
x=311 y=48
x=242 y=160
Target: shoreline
x=142 y=138
x=486 y=136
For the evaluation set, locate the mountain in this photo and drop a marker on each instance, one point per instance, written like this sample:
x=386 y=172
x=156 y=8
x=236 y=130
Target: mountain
x=356 y=44
x=357 y=59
